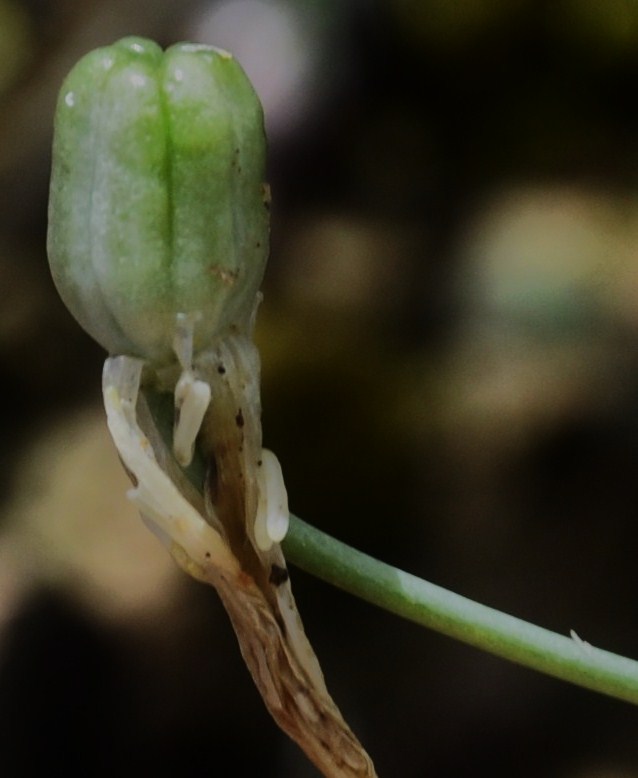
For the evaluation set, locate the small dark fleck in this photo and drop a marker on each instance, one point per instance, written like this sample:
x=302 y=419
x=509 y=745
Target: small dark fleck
x=129 y=473
x=258 y=245
x=207 y=555
x=239 y=419
x=213 y=485
x=278 y=575
x=221 y=369
x=259 y=463
x=265 y=193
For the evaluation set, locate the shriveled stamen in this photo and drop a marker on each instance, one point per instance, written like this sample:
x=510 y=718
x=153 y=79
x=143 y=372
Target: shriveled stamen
x=192 y=398
x=272 y=517
x=192 y=395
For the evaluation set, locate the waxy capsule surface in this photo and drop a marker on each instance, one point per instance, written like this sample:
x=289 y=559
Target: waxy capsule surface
x=157 y=204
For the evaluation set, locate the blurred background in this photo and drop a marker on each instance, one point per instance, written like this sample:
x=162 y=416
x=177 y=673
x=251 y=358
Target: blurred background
x=450 y=379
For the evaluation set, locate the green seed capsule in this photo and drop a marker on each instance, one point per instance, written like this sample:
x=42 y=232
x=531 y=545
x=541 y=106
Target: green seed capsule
x=157 y=203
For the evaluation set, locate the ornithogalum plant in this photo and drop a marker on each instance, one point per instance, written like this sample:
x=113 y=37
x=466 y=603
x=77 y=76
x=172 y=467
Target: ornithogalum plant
x=158 y=240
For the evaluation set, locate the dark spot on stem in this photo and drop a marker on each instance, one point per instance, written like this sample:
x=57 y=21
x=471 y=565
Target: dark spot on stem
x=239 y=419
x=278 y=575
x=221 y=369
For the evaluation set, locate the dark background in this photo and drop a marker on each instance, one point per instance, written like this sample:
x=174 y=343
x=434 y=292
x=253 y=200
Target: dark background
x=450 y=379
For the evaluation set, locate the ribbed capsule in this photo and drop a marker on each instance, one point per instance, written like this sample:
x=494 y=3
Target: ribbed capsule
x=158 y=205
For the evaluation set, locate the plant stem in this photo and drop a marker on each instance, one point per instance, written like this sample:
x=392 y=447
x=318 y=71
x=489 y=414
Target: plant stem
x=568 y=658
x=394 y=590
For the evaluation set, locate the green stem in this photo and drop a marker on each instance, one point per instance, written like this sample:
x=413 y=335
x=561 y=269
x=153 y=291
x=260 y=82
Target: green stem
x=431 y=606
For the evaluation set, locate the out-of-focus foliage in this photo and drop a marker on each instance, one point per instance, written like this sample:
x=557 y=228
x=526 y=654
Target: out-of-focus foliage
x=17 y=47
x=608 y=31
x=448 y=26
x=449 y=337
